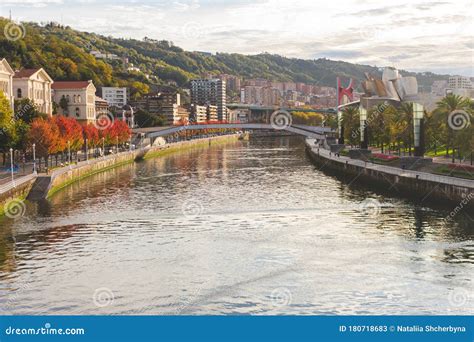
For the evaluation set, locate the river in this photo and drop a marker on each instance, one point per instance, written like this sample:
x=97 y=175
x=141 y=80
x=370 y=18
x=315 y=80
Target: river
x=250 y=227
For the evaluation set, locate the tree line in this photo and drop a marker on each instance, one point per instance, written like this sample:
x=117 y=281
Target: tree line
x=447 y=127
x=54 y=137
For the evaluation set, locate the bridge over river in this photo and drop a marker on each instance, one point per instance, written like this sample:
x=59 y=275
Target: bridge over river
x=314 y=132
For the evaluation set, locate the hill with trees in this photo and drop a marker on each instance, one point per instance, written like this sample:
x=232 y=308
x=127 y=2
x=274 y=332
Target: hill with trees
x=65 y=54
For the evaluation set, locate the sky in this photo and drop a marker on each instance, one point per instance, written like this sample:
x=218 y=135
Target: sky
x=416 y=35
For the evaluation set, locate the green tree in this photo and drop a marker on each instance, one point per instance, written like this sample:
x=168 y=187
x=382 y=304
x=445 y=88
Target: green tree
x=145 y=119
x=454 y=137
x=27 y=111
x=351 y=122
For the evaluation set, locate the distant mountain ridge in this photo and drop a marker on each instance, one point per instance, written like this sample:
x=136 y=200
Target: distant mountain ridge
x=65 y=54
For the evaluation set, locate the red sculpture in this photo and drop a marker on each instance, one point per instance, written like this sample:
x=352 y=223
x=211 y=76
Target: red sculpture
x=341 y=91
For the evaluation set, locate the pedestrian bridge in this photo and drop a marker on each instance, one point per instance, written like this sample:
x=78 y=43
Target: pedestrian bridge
x=314 y=132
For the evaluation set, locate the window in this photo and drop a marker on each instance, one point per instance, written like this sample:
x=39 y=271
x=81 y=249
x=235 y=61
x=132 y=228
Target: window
x=78 y=112
x=79 y=100
x=18 y=93
x=74 y=99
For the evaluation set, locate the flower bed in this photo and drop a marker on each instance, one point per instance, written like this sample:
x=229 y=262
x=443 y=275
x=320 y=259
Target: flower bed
x=384 y=157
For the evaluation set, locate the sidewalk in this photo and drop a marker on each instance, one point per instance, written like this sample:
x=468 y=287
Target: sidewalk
x=392 y=170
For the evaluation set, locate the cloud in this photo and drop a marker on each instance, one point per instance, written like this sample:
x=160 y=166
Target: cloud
x=411 y=33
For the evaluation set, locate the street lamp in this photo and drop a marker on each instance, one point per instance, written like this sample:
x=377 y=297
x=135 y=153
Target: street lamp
x=11 y=165
x=34 y=158
x=418 y=129
x=69 y=152
x=340 y=127
x=87 y=151
x=364 y=144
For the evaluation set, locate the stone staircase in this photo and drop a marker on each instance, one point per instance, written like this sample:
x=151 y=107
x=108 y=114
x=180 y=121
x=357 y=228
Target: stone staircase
x=40 y=188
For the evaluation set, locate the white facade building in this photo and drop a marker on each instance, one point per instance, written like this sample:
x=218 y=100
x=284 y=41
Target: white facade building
x=115 y=96
x=34 y=84
x=79 y=97
x=459 y=82
x=6 y=80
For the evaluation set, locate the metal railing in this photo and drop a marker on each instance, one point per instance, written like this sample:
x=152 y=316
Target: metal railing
x=17 y=182
x=396 y=171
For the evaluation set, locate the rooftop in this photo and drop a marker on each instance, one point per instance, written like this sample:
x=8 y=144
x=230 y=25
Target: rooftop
x=70 y=84
x=25 y=73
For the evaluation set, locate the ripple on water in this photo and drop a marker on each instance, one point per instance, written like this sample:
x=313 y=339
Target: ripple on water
x=268 y=233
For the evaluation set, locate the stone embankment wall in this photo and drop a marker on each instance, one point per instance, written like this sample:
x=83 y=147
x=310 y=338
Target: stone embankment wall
x=65 y=176
x=421 y=186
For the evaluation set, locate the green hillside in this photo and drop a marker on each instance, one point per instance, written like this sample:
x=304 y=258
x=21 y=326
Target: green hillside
x=64 y=53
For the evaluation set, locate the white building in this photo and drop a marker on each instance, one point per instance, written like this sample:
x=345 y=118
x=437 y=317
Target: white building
x=459 y=82
x=76 y=99
x=6 y=80
x=115 y=96
x=460 y=85
x=34 y=84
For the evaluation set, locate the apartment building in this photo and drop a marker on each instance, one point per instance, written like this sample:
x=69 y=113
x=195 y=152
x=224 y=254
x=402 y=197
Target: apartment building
x=115 y=96
x=210 y=92
x=167 y=104
x=101 y=106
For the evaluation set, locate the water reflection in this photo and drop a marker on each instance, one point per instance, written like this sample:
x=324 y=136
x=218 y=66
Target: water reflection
x=269 y=233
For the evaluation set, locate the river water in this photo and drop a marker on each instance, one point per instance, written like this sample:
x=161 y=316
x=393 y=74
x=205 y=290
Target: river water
x=242 y=228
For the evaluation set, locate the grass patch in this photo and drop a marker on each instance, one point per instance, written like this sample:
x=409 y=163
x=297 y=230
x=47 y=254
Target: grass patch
x=447 y=171
x=56 y=188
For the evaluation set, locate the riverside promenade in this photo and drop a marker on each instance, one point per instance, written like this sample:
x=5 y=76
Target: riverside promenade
x=39 y=186
x=423 y=185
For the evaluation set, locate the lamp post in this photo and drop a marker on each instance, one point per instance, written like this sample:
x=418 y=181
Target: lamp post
x=34 y=158
x=87 y=151
x=364 y=144
x=418 y=129
x=340 y=127
x=11 y=166
x=103 y=147
x=69 y=152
